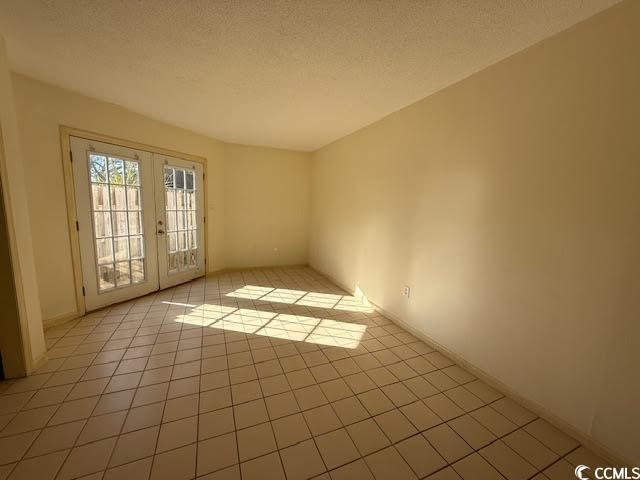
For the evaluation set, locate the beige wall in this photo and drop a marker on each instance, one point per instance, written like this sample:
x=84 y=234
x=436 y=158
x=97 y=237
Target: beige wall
x=266 y=206
x=18 y=236
x=252 y=232
x=510 y=204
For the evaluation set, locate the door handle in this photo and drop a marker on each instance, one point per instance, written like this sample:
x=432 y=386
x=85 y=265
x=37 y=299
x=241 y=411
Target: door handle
x=160 y=232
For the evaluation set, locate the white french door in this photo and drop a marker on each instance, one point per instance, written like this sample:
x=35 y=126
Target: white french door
x=140 y=220
x=180 y=219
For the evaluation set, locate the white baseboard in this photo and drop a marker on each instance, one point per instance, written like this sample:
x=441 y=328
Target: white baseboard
x=59 y=320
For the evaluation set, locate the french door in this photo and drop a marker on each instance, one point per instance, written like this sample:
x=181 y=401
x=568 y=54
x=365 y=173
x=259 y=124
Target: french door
x=140 y=220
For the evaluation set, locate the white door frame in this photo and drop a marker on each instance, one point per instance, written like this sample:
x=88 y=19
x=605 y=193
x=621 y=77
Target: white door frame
x=65 y=134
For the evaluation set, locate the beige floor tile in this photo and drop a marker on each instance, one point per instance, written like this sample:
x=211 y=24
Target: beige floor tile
x=443 y=406
x=551 y=437
x=65 y=377
x=346 y=366
x=494 y=421
x=530 y=449
x=472 y=431
x=324 y=373
x=375 y=401
x=322 y=420
x=177 y=434
x=359 y=382
x=421 y=365
x=357 y=470
x=113 y=402
x=440 y=380
x=310 y=397
x=420 y=455
x=48 y=396
x=88 y=388
x=180 y=407
x=445 y=474
x=5 y=419
x=211 y=381
x=179 y=464
x=29 y=420
x=281 y=405
x=483 y=391
x=143 y=417
x=400 y=370
x=52 y=439
x=87 y=459
x=447 y=442
x=464 y=398
x=102 y=426
x=302 y=461
x=274 y=385
x=388 y=464
x=514 y=412
x=242 y=374
x=381 y=376
x=439 y=360
x=349 y=410
x=131 y=471
x=229 y=473
x=217 y=422
x=507 y=462
x=420 y=387
x=267 y=467
x=123 y=382
x=41 y=468
x=420 y=415
x=255 y=441
x=561 y=470
x=367 y=436
x=336 y=389
x=215 y=399
x=582 y=456
x=100 y=371
x=134 y=446
x=226 y=453
x=245 y=392
x=300 y=378
x=474 y=467
x=395 y=425
x=74 y=410
x=250 y=413
x=458 y=374
x=157 y=375
x=13 y=447
x=13 y=403
x=399 y=394
x=290 y=430
x=336 y=448
x=184 y=386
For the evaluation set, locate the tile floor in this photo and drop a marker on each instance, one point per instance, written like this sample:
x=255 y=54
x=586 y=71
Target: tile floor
x=263 y=374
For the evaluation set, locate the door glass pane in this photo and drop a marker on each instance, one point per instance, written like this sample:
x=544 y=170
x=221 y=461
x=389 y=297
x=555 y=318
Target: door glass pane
x=181 y=214
x=117 y=220
x=106 y=277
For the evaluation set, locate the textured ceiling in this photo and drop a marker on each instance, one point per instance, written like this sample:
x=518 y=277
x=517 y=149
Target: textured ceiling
x=285 y=73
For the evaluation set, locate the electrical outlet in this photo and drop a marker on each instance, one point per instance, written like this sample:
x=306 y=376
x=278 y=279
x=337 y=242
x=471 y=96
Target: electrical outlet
x=406 y=291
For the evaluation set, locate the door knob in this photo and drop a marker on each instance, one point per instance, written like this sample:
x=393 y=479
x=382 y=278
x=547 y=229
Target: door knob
x=160 y=232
